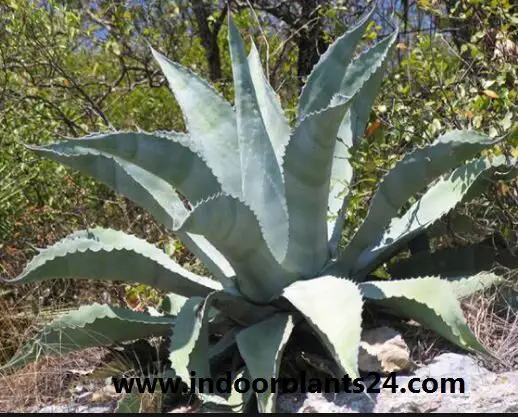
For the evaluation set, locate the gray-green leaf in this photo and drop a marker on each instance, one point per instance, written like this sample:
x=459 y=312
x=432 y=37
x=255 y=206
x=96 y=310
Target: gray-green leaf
x=210 y=120
x=263 y=360
x=326 y=77
x=307 y=169
x=169 y=155
x=441 y=198
x=262 y=182
x=410 y=175
x=89 y=326
x=106 y=254
x=337 y=321
x=430 y=301
x=234 y=230
x=273 y=116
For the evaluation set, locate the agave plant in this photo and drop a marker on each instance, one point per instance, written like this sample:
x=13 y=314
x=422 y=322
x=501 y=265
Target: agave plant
x=266 y=206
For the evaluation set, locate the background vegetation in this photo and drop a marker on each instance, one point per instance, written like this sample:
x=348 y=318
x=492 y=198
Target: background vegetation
x=69 y=68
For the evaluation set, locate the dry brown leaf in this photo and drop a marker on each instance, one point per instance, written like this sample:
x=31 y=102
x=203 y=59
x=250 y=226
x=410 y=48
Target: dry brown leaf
x=373 y=127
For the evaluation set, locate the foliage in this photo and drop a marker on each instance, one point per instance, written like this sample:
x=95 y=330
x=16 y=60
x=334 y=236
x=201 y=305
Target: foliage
x=10 y=191
x=263 y=205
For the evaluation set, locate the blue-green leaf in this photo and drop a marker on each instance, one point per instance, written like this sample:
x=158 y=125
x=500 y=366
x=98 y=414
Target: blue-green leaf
x=362 y=81
x=327 y=75
x=440 y=199
x=262 y=182
x=106 y=254
x=410 y=175
x=210 y=120
x=307 y=169
x=263 y=360
x=271 y=110
x=170 y=156
x=234 y=230
x=337 y=321
x=89 y=326
x=430 y=301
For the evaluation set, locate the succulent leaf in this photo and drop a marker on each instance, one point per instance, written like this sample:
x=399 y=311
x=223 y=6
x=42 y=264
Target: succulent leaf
x=213 y=129
x=262 y=182
x=271 y=111
x=189 y=344
x=362 y=81
x=342 y=175
x=326 y=77
x=89 y=326
x=263 y=360
x=307 y=168
x=234 y=230
x=149 y=191
x=461 y=261
x=468 y=285
x=145 y=189
x=240 y=310
x=170 y=156
x=223 y=345
x=338 y=321
x=441 y=198
x=410 y=175
x=106 y=254
x=430 y=301
x=500 y=168
x=213 y=260
x=172 y=303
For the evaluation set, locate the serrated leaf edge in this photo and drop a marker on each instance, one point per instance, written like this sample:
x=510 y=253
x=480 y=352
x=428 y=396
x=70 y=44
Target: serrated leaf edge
x=433 y=279
x=328 y=51
x=43 y=256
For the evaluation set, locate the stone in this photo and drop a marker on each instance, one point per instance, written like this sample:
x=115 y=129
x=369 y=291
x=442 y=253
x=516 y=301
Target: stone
x=484 y=391
x=383 y=350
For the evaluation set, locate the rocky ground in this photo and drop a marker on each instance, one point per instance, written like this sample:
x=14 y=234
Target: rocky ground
x=382 y=351
x=485 y=392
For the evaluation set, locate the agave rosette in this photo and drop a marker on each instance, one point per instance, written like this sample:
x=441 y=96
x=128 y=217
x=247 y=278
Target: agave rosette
x=267 y=208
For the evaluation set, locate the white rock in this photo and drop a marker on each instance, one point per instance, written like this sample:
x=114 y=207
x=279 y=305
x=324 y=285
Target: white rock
x=484 y=391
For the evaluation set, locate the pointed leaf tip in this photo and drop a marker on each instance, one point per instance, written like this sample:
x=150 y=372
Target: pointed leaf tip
x=262 y=183
x=343 y=298
x=263 y=361
x=430 y=301
x=106 y=254
x=329 y=72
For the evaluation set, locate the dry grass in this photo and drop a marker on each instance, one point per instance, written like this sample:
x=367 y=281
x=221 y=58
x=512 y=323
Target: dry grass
x=50 y=380
x=495 y=323
x=489 y=316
